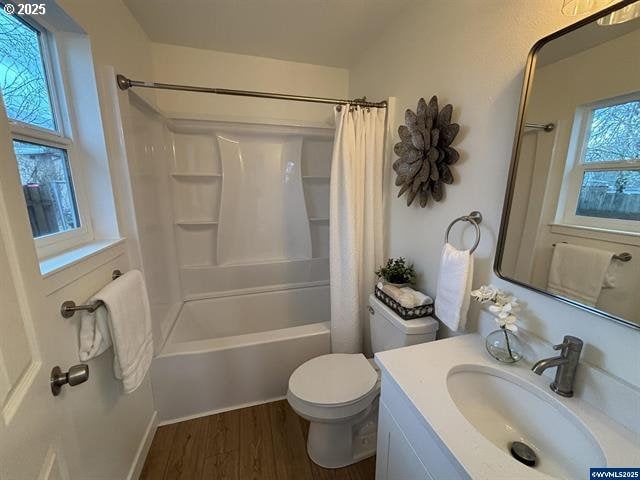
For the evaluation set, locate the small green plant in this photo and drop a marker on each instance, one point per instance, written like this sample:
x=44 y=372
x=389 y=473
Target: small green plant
x=397 y=271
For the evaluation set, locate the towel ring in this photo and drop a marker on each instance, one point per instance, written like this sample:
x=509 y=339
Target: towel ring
x=474 y=218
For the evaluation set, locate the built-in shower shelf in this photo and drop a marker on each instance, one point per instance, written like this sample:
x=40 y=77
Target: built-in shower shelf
x=195 y=174
x=319 y=219
x=196 y=222
x=316 y=177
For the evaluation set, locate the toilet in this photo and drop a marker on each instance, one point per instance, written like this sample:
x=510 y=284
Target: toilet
x=338 y=393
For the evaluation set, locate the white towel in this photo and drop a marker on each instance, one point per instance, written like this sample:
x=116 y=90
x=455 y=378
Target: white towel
x=405 y=296
x=125 y=323
x=94 y=333
x=579 y=272
x=420 y=298
x=454 y=287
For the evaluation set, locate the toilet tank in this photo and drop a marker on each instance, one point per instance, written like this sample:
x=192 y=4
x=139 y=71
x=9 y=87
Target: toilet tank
x=389 y=331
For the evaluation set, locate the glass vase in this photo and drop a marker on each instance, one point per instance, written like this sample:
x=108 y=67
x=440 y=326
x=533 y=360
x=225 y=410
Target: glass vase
x=504 y=346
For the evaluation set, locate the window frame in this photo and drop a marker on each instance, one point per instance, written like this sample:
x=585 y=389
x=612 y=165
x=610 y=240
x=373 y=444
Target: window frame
x=62 y=137
x=576 y=167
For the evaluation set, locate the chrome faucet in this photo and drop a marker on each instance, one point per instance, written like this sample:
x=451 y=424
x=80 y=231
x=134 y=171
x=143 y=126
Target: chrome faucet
x=566 y=362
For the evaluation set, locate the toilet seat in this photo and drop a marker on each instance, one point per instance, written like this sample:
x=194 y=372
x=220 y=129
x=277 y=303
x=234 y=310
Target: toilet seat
x=333 y=380
x=333 y=387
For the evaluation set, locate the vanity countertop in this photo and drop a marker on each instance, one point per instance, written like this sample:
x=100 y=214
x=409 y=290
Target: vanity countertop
x=421 y=372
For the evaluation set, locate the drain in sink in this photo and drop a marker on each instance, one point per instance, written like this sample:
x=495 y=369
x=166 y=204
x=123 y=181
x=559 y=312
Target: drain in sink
x=524 y=454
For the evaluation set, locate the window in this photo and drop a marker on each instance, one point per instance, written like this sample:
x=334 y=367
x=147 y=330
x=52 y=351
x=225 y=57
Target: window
x=604 y=183
x=24 y=83
x=48 y=191
x=30 y=82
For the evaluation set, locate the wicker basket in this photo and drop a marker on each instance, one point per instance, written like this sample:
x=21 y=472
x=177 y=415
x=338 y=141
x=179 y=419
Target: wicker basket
x=403 y=312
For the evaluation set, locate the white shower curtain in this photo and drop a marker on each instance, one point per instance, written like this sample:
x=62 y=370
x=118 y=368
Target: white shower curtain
x=356 y=222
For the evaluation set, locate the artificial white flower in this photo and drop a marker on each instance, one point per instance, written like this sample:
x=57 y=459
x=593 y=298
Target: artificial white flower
x=504 y=305
x=505 y=317
x=504 y=299
x=509 y=323
x=485 y=293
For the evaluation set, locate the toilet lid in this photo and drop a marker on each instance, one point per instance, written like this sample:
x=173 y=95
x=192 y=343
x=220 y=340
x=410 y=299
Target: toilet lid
x=333 y=379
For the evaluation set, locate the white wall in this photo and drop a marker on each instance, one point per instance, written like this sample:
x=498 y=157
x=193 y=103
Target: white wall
x=472 y=54
x=191 y=66
x=125 y=49
x=116 y=37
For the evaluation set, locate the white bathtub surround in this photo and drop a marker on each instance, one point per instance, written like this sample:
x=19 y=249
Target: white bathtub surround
x=356 y=218
x=262 y=210
x=144 y=151
x=469 y=393
x=124 y=322
x=239 y=350
x=454 y=287
x=249 y=208
x=250 y=205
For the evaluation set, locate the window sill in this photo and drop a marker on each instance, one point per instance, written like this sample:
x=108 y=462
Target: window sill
x=52 y=265
x=615 y=236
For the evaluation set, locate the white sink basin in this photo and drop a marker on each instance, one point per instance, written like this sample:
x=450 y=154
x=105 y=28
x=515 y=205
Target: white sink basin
x=505 y=408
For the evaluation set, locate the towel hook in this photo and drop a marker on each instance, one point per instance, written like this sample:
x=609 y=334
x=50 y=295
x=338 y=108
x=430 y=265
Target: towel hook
x=69 y=307
x=474 y=218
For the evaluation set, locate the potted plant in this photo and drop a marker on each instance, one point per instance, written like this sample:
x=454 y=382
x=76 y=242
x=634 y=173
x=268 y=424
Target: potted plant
x=397 y=272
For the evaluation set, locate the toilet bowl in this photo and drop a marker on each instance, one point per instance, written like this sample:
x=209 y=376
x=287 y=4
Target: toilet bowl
x=338 y=393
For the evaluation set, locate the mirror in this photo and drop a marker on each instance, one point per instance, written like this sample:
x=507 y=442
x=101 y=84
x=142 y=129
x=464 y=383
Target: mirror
x=571 y=220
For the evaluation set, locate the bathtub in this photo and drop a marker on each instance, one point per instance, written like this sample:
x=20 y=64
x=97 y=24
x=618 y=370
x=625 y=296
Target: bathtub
x=234 y=351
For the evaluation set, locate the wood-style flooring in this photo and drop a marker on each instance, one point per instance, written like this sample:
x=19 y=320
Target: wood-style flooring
x=265 y=442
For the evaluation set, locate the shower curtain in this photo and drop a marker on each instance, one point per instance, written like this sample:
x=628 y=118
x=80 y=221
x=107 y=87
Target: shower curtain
x=356 y=222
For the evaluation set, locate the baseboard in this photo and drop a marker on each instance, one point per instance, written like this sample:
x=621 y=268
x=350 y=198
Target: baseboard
x=143 y=449
x=220 y=410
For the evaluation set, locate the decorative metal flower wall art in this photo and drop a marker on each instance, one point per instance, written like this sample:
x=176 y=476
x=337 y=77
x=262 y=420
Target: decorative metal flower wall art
x=425 y=152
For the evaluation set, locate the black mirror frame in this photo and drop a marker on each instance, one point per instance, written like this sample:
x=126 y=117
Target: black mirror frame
x=506 y=210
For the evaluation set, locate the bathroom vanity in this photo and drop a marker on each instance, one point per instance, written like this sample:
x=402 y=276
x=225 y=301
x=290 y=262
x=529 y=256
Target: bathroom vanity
x=449 y=411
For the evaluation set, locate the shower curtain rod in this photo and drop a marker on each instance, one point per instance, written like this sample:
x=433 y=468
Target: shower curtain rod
x=125 y=83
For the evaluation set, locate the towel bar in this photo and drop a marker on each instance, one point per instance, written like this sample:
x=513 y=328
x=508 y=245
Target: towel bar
x=623 y=257
x=69 y=307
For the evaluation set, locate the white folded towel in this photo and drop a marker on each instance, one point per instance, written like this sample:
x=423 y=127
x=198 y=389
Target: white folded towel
x=454 y=287
x=420 y=298
x=405 y=296
x=579 y=272
x=125 y=322
x=94 y=333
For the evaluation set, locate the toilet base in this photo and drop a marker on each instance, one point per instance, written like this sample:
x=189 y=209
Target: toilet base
x=336 y=445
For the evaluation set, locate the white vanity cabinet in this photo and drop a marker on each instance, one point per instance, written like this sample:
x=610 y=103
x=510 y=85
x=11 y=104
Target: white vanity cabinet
x=407 y=448
x=396 y=458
